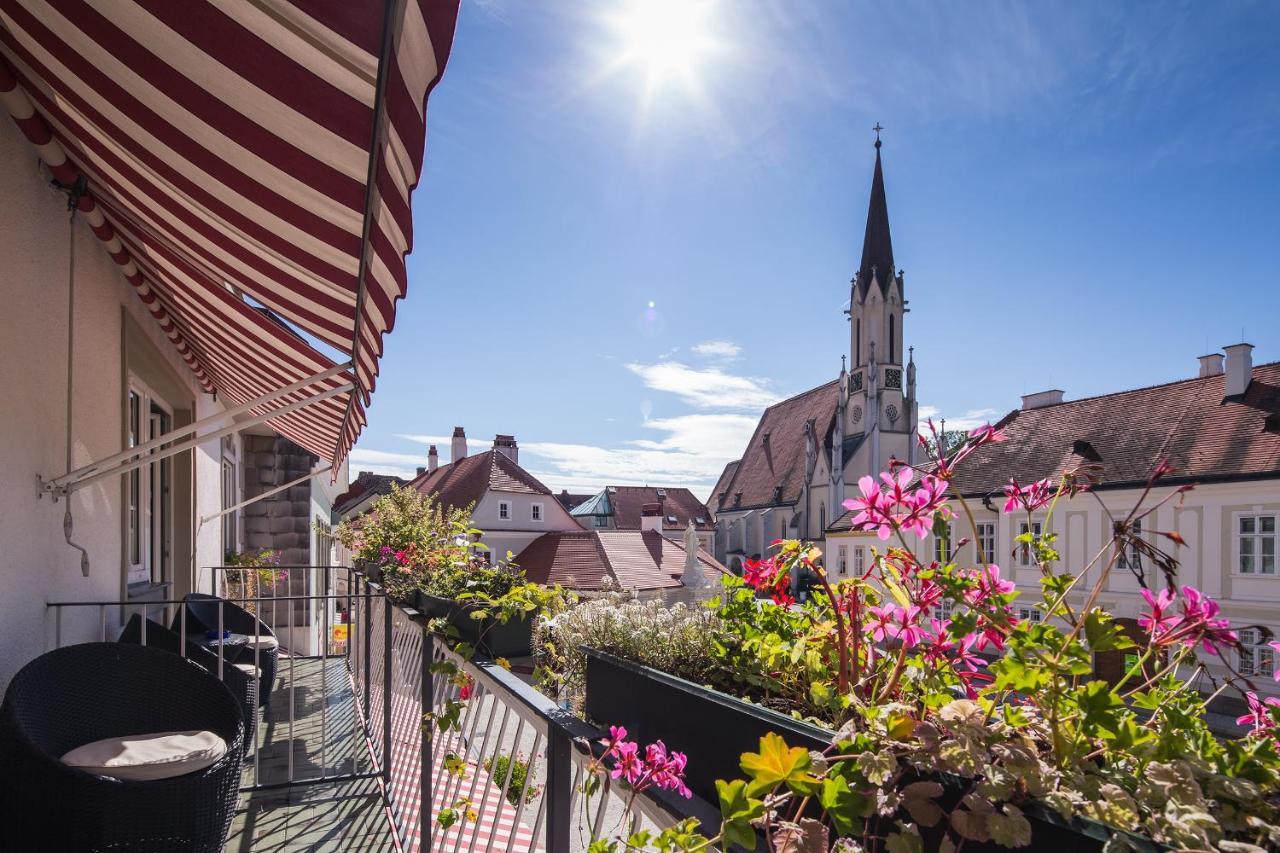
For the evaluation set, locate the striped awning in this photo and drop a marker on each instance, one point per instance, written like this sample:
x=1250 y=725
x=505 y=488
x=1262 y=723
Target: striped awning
x=249 y=166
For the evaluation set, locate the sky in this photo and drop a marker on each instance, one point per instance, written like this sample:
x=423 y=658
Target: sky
x=638 y=219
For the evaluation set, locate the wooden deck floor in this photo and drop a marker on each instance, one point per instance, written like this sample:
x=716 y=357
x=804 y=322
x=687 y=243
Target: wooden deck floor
x=324 y=739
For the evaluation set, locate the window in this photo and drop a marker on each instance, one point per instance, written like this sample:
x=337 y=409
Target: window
x=1257 y=658
x=1024 y=548
x=943 y=609
x=504 y=510
x=1257 y=545
x=842 y=563
x=942 y=546
x=860 y=560
x=822 y=517
x=857 y=342
x=230 y=497
x=892 y=340
x=985 y=541
x=599 y=521
x=149 y=492
x=1030 y=614
x=1130 y=556
x=535 y=511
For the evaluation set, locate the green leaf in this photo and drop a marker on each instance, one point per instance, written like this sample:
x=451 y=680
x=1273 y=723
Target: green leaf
x=776 y=764
x=1102 y=634
x=1098 y=706
x=1008 y=827
x=843 y=805
x=737 y=810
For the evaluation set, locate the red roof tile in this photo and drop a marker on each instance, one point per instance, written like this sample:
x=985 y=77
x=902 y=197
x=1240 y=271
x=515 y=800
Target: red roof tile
x=463 y=483
x=628 y=501
x=1189 y=423
x=361 y=487
x=780 y=460
x=636 y=560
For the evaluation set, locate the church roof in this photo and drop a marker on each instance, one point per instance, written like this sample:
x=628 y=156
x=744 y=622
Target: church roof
x=1203 y=435
x=722 y=485
x=771 y=471
x=877 y=246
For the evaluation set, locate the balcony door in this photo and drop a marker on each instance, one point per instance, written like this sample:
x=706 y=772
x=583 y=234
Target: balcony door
x=149 y=492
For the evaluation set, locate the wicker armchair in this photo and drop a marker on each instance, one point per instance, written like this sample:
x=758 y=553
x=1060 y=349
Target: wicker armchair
x=79 y=694
x=237 y=677
x=202 y=615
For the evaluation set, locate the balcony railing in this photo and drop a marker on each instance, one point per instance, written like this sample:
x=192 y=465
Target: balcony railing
x=506 y=775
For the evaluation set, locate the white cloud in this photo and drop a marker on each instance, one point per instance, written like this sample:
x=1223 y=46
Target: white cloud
x=717 y=349
x=443 y=443
x=706 y=388
x=967 y=421
x=403 y=465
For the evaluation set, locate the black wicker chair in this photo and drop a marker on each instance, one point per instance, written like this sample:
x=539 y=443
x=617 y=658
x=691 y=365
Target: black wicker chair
x=202 y=615
x=79 y=694
x=242 y=682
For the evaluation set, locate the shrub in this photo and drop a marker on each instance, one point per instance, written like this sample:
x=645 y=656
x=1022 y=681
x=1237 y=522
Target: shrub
x=521 y=775
x=677 y=639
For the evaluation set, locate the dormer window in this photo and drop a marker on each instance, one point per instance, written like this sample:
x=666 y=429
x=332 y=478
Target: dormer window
x=662 y=493
x=671 y=519
x=737 y=498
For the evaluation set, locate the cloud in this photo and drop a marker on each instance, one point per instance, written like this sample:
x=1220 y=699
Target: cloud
x=717 y=349
x=403 y=465
x=967 y=421
x=706 y=388
x=444 y=442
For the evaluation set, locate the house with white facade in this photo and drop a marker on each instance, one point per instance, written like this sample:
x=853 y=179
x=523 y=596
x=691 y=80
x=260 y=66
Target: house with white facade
x=508 y=503
x=791 y=479
x=1220 y=430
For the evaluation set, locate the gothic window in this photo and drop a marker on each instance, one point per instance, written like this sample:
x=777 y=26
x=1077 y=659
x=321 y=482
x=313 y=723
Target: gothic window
x=893 y=378
x=822 y=516
x=855 y=381
x=892 y=339
x=857 y=344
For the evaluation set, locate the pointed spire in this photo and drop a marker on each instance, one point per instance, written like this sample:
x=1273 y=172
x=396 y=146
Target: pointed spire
x=877 y=247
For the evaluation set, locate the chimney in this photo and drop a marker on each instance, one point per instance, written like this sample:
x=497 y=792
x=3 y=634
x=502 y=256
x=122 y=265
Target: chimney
x=506 y=445
x=1239 y=368
x=458 y=446
x=1040 y=399
x=1211 y=365
x=433 y=459
x=651 y=517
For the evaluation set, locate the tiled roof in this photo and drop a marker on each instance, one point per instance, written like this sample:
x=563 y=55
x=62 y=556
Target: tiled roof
x=362 y=486
x=779 y=461
x=625 y=503
x=1189 y=423
x=569 y=501
x=722 y=485
x=462 y=483
x=636 y=560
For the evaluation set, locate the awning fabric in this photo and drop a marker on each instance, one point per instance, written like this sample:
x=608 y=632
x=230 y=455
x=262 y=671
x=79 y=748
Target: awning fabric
x=266 y=148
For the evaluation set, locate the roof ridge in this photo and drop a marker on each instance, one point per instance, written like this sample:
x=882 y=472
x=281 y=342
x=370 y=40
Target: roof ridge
x=794 y=397
x=1143 y=388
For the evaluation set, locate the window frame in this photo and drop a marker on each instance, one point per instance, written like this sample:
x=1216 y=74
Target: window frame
x=1256 y=538
x=1260 y=654
x=536 y=513
x=504 y=510
x=1034 y=615
x=1035 y=526
x=982 y=548
x=148 y=519
x=1130 y=557
x=842 y=559
x=860 y=559
x=948 y=541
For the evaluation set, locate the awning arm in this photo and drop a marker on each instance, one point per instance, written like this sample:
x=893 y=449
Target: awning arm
x=324 y=469
x=181 y=447
x=169 y=437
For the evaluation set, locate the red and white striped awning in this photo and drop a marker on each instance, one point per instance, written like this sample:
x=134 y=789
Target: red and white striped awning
x=263 y=148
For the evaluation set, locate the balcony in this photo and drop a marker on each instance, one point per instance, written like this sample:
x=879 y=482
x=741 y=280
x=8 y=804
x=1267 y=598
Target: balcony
x=335 y=766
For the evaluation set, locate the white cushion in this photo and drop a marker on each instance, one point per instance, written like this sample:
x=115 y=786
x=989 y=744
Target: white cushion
x=140 y=758
x=265 y=642
x=248 y=669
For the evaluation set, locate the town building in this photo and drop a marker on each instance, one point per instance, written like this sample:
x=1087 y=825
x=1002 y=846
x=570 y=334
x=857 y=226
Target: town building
x=1220 y=430
x=509 y=504
x=366 y=488
x=791 y=479
x=648 y=561
x=622 y=508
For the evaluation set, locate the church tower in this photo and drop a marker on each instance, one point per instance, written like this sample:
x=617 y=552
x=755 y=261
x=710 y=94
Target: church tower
x=879 y=400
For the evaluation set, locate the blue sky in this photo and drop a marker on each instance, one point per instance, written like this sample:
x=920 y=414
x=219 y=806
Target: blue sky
x=1083 y=196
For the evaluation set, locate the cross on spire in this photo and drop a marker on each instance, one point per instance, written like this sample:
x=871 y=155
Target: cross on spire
x=877 y=129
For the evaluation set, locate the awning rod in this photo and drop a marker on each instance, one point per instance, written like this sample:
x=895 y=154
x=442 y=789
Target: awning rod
x=328 y=466
x=181 y=447
x=169 y=437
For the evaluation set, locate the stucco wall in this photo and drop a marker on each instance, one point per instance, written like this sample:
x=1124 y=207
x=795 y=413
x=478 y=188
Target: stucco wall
x=515 y=533
x=36 y=565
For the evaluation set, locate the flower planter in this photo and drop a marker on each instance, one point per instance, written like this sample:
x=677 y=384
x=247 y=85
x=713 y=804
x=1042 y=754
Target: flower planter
x=713 y=729
x=512 y=639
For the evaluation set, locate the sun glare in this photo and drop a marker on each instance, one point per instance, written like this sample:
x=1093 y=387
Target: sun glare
x=664 y=39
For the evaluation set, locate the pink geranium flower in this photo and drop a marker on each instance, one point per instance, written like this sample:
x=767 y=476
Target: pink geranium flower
x=1030 y=498
x=1160 y=621
x=1259 y=716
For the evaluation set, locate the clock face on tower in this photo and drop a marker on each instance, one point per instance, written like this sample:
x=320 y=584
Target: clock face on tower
x=856 y=414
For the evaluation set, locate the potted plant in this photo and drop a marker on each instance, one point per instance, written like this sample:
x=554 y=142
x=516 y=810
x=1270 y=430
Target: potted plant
x=493 y=609
x=973 y=729
x=257 y=576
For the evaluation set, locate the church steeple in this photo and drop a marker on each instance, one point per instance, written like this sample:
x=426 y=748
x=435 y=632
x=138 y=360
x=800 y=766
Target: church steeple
x=877 y=246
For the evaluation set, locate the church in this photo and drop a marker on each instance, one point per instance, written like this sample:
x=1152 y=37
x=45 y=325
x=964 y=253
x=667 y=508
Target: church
x=791 y=481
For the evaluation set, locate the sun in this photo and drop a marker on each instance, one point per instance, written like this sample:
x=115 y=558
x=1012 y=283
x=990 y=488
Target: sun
x=663 y=39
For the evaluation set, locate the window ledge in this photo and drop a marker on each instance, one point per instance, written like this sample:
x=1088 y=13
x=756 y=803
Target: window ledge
x=148 y=591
